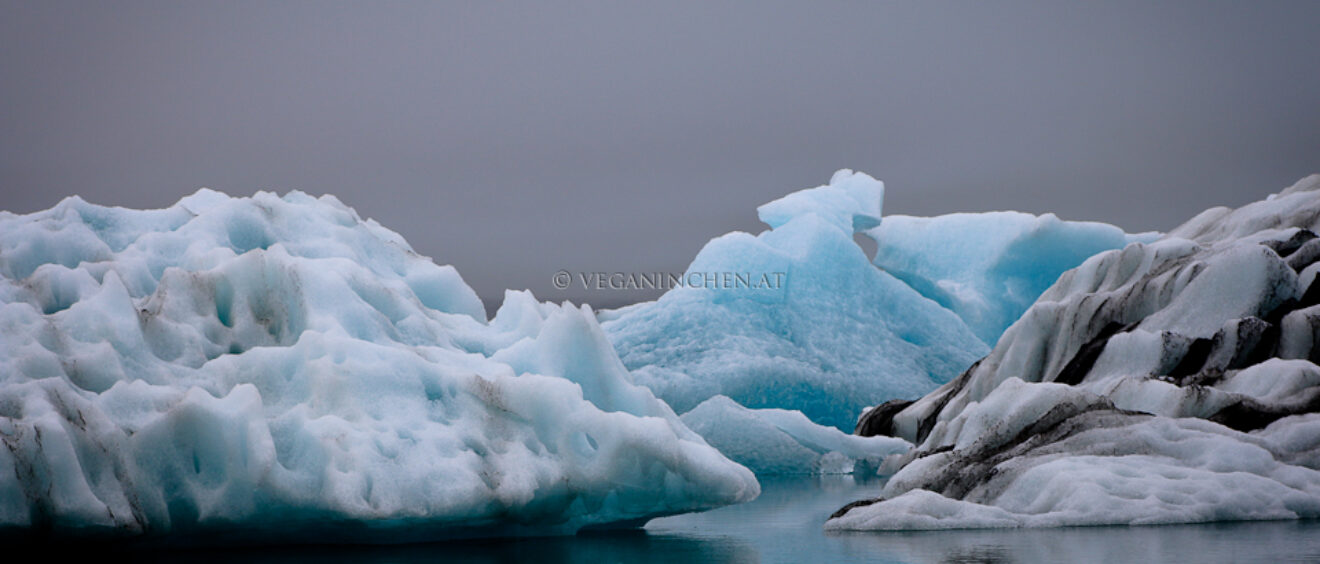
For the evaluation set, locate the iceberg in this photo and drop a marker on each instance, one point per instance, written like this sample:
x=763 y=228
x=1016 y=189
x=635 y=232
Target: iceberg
x=782 y=442
x=278 y=369
x=1173 y=381
x=843 y=333
x=989 y=267
x=836 y=336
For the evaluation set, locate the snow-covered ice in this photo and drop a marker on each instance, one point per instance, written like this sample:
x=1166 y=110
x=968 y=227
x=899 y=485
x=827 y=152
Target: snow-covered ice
x=278 y=365
x=1167 y=382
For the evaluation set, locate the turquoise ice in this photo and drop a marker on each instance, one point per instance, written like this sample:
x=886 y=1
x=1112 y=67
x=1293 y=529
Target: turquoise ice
x=843 y=333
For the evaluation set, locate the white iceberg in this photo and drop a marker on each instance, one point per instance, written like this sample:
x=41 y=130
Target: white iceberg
x=1168 y=382
x=277 y=367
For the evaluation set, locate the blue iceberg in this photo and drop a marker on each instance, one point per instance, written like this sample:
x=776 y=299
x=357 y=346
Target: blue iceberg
x=989 y=267
x=842 y=333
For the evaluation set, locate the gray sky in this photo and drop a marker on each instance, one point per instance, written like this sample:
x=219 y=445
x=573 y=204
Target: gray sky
x=513 y=140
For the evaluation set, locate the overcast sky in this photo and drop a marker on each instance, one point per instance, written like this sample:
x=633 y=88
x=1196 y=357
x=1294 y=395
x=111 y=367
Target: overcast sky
x=513 y=140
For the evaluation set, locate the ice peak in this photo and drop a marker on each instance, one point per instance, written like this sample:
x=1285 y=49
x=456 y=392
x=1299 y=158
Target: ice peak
x=851 y=201
x=1308 y=184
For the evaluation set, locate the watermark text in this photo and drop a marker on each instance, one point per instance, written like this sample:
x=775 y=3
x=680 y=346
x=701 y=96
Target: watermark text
x=669 y=280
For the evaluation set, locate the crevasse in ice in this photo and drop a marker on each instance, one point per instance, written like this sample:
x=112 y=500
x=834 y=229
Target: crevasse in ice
x=279 y=366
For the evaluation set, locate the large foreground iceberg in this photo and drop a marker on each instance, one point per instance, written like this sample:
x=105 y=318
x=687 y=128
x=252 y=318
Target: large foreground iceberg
x=841 y=333
x=1168 y=382
x=277 y=368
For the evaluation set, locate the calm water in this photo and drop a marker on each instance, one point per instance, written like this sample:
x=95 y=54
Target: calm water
x=784 y=525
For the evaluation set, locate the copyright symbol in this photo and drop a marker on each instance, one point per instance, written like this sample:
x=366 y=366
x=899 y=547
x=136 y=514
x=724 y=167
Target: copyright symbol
x=562 y=279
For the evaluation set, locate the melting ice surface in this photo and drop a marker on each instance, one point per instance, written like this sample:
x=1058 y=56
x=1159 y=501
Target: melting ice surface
x=278 y=366
x=842 y=333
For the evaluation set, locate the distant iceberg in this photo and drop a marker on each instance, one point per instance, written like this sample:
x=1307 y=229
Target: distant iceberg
x=1168 y=382
x=842 y=333
x=279 y=369
x=989 y=267
x=776 y=442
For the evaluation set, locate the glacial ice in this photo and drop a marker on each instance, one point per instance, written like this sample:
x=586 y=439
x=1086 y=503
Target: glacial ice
x=989 y=267
x=843 y=333
x=780 y=441
x=280 y=367
x=852 y=202
x=1173 y=381
x=828 y=342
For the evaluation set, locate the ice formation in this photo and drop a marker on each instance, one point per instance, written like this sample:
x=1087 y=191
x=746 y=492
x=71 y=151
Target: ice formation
x=279 y=367
x=842 y=334
x=989 y=267
x=1168 y=382
x=780 y=441
x=828 y=342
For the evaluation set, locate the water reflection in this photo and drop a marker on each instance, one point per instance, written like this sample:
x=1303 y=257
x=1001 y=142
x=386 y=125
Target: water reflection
x=621 y=547
x=784 y=525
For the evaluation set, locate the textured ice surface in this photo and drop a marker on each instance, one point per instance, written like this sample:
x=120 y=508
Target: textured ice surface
x=989 y=267
x=780 y=441
x=851 y=202
x=1099 y=466
x=279 y=366
x=1166 y=382
x=842 y=333
x=837 y=336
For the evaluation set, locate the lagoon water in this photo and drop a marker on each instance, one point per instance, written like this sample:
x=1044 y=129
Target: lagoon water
x=784 y=525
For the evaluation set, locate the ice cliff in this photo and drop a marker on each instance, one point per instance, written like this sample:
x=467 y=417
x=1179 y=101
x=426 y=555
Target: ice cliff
x=1167 y=382
x=280 y=368
x=843 y=333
